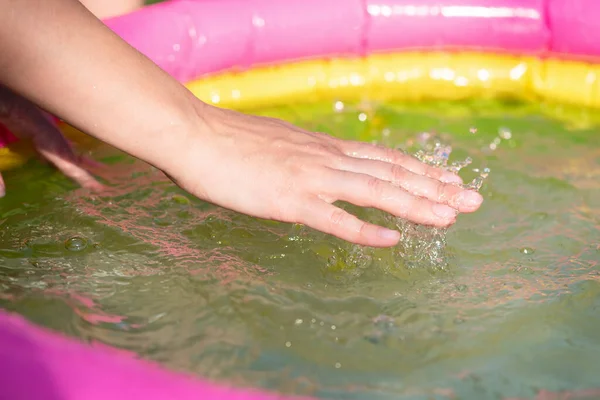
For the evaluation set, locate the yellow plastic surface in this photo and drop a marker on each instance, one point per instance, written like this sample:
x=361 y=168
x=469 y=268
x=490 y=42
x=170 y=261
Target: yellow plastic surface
x=14 y=155
x=407 y=76
x=395 y=76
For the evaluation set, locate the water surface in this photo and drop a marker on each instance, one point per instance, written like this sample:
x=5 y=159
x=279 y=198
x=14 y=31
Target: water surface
x=507 y=309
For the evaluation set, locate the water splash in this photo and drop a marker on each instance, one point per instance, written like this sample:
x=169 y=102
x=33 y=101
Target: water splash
x=435 y=153
x=425 y=246
x=420 y=246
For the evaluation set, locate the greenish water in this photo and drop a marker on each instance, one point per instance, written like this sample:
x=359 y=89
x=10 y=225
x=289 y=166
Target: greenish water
x=508 y=309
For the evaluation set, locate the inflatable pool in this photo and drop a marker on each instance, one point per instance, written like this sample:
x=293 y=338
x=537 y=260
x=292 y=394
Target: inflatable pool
x=244 y=54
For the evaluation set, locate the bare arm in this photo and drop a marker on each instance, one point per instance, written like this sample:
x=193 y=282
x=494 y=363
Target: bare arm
x=110 y=8
x=57 y=54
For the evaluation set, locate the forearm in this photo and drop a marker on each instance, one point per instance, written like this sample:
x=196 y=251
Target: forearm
x=111 y=8
x=57 y=54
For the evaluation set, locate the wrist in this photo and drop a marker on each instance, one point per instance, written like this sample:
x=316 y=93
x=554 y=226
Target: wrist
x=183 y=135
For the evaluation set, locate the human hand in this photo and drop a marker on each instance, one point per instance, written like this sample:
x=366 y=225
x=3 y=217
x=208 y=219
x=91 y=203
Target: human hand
x=258 y=166
x=27 y=121
x=271 y=169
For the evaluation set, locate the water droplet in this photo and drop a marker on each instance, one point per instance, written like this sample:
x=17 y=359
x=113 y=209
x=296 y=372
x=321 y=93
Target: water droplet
x=527 y=250
x=333 y=327
x=288 y=344
x=362 y=117
x=298 y=322
x=338 y=365
x=338 y=106
x=76 y=243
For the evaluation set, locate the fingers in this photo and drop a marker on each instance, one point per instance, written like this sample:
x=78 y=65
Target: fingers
x=27 y=120
x=70 y=167
x=418 y=185
x=2 y=187
x=89 y=162
x=368 y=191
x=50 y=143
x=330 y=219
x=372 y=152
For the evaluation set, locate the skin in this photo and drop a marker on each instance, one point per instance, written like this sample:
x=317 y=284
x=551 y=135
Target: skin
x=111 y=8
x=259 y=166
x=30 y=123
x=27 y=121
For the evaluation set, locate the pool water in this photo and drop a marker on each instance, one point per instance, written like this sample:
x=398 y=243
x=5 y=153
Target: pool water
x=505 y=304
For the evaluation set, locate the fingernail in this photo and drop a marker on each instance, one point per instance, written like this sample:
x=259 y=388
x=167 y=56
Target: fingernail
x=443 y=211
x=388 y=234
x=470 y=199
x=449 y=177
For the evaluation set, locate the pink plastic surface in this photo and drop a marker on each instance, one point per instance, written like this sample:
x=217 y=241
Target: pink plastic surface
x=575 y=27
x=516 y=26
x=36 y=364
x=191 y=38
